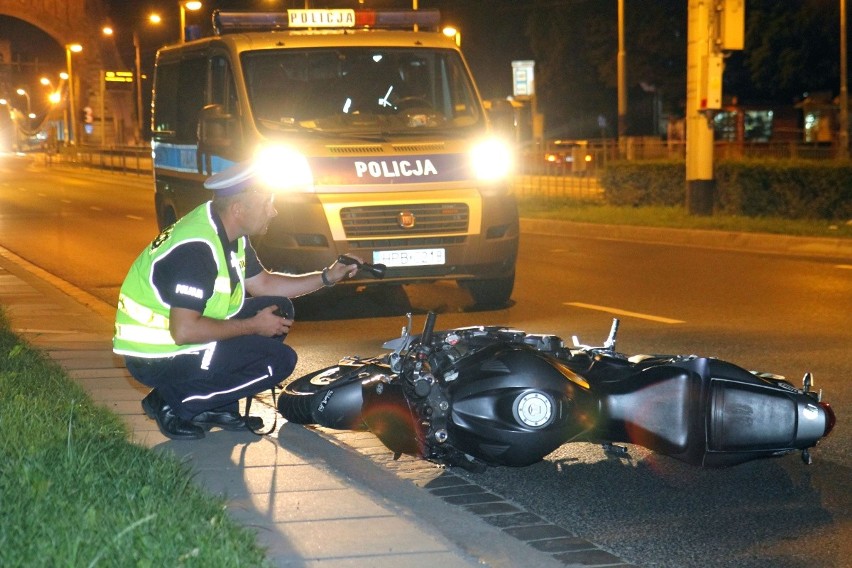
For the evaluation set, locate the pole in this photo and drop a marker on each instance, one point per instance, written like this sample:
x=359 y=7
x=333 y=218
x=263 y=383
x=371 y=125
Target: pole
x=700 y=184
x=182 y=23
x=843 y=137
x=138 y=88
x=26 y=95
x=622 y=75
x=103 y=109
x=72 y=110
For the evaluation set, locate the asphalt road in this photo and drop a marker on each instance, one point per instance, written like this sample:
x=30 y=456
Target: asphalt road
x=769 y=312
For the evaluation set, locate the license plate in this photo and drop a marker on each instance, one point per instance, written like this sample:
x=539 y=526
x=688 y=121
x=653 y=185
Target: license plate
x=411 y=257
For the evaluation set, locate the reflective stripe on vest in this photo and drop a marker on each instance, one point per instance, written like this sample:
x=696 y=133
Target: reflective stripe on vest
x=142 y=318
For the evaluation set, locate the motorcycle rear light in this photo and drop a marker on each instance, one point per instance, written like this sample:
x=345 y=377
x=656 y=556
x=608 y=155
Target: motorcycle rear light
x=830 y=419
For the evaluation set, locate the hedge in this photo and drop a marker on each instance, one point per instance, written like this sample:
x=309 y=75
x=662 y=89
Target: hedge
x=794 y=189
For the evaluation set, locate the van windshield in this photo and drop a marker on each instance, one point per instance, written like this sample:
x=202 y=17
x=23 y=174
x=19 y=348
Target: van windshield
x=360 y=90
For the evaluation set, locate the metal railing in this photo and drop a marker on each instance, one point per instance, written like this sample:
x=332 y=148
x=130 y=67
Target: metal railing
x=120 y=159
x=571 y=168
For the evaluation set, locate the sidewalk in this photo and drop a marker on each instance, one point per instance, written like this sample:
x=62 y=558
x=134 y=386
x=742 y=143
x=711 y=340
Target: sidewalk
x=314 y=498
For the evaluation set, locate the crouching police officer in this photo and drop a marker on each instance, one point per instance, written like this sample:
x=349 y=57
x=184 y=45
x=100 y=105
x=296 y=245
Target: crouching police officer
x=185 y=324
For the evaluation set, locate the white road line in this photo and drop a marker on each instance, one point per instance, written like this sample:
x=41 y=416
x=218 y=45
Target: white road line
x=843 y=266
x=618 y=312
x=135 y=217
x=96 y=208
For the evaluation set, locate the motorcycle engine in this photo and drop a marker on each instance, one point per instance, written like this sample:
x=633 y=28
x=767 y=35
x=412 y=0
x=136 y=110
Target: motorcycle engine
x=424 y=386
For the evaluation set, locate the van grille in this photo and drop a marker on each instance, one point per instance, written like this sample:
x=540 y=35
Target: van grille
x=424 y=147
x=379 y=149
x=356 y=149
x=384 y=220
x=408 y=243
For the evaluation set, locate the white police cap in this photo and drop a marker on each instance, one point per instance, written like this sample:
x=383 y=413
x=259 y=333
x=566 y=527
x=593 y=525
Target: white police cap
x=235 y=179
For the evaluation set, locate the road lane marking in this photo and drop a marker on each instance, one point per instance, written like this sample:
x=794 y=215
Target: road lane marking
x=66 y=201
x=135 y=217
x=96 y=208
x=618 y=312
x=844 y=266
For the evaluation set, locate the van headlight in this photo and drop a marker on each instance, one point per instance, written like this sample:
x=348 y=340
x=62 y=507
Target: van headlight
x=491 y=160
x=285 y=169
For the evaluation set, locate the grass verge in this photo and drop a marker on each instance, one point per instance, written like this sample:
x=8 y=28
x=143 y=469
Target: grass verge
x=582 y=211
x=75 y=492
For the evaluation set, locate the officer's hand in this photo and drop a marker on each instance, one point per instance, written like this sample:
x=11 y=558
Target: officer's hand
x=270 y=324
x=338 y=271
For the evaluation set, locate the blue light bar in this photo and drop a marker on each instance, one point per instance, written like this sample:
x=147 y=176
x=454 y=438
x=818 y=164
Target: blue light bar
x=232 y=22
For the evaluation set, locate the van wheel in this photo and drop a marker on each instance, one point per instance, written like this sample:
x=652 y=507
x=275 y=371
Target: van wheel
x=166 y=218
x=491 y=291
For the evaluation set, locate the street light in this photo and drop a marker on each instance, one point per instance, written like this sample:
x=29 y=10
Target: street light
x=108 y=31
x=154 y=19
x=54 y=96
x=192 y=6
x=26 y=95
x=72 y=111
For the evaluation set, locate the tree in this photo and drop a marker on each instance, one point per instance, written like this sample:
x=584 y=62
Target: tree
x=575 y=43
x=792 y=48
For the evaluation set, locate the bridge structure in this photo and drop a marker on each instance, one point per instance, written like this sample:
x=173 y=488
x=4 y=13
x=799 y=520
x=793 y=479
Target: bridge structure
x=67 y=22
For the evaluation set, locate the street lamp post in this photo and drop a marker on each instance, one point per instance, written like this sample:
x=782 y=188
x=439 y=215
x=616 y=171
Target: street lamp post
x=26 y=95
x=53 y=95
x=138 y=87
x=72 y=110
x=192 y=6
x=844 y=93
x=622 y=77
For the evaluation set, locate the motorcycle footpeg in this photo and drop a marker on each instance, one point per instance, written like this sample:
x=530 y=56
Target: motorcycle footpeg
x=615 y=449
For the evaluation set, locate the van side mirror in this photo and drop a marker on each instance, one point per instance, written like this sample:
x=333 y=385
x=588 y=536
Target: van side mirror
x=502 y=115
x=218 y=131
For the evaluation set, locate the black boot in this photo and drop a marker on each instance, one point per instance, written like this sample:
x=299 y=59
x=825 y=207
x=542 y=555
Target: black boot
x=170 y=424
x=174 y=427
x=151 y=404
x=222 y=418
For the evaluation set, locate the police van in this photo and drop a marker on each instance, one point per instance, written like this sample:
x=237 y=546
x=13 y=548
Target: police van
x=372 y=129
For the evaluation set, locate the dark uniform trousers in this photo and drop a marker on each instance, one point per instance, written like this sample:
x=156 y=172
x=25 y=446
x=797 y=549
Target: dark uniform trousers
x=236 y=368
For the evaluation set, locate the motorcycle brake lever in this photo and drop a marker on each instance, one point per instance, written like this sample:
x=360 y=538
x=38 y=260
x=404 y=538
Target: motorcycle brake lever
x=377 y=270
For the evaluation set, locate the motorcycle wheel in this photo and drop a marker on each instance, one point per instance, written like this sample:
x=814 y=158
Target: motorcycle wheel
x=295 y=402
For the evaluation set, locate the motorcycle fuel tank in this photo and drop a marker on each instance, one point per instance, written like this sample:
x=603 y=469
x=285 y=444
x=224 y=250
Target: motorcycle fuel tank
x=512 y=406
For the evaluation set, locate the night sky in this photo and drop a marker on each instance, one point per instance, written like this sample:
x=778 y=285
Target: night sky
x=492 y=31
x=492 y=34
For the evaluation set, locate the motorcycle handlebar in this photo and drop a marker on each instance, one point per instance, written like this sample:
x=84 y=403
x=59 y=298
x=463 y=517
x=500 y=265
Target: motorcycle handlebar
x=428 y=328
x=377 y=270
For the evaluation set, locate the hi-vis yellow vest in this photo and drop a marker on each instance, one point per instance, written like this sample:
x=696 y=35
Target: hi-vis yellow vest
x=142 y=319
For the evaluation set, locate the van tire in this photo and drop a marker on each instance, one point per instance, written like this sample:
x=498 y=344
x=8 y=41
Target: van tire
x=491 y=291
x=166 y=218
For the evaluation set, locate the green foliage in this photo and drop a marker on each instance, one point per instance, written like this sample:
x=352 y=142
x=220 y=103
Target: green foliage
x=644 y=183
x=675 y=217
x=75 y=492
x=786 y=189
x=787 y=43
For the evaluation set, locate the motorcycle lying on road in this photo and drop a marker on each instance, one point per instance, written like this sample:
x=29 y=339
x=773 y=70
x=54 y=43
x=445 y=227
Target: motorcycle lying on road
x=491 y=395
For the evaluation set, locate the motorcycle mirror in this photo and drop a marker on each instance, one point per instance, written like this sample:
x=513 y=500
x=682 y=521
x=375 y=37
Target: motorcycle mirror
x=613 y=331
